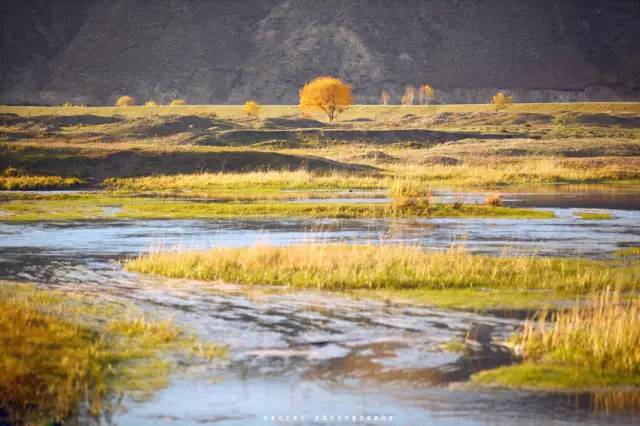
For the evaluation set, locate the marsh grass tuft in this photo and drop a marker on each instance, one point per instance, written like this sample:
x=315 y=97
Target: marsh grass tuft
x=588 y=346
x=594 y=215
x=409 y=196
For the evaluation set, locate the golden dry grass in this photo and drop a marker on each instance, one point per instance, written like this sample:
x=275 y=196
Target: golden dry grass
x=355 y=111
x=16 y=183
x=64 y=353
x=589 y=347
x=604 y=335
x=343 y=266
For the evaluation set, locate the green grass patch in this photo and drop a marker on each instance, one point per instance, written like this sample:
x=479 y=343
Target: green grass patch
x=385 y=267
x=552 y=377
x=594 y=215
x=63 y=353
x=90 y=206
x=475 y=299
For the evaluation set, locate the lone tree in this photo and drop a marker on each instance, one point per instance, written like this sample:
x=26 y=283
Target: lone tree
x=501 y=101
x=251 y=108
x=327 y=94
x=427 y=94
x=125 y=101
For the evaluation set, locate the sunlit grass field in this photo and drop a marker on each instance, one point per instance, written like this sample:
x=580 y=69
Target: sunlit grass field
x=355 y=111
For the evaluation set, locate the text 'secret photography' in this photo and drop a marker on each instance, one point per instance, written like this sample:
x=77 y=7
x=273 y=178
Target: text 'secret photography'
x=319 y=212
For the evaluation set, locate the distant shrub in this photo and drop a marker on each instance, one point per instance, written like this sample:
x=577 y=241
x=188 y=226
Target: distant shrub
x=71 y=105
x=177 y=102
x=10 y=172
x=426 y=94
x=409 y=95
x=501 y=100
x=566 y=119
x=494 y=199
x=125 y=101
x=458 y=202
x=251 y=108
x=409 y=195
x=150 y=104
x=385 y=97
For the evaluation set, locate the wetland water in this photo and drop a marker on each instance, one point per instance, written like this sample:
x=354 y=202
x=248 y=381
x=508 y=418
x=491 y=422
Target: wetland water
x=312 y=354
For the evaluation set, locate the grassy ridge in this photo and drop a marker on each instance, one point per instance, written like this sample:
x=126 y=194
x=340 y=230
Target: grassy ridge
x=345 y=267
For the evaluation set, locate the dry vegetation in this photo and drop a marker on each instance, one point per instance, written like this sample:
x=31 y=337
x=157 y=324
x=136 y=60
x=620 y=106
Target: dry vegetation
x=64 y=355
x=586 y=347
x=343 y=266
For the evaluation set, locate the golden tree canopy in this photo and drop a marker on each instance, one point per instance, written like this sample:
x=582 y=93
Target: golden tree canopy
x=125 y=101
x=177 y=102
x=251 y=108
x=327 y=94
x=409 y=95
x=427 y=94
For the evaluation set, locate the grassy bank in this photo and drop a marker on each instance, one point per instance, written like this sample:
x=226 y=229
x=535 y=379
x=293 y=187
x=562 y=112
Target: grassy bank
x=518 y=173
x=21 y=183
x=349 y=267
x=64 y=355
x=251 y=182
x=594 y=215
x=588 y=347
x=90 y=206
x=269 y=184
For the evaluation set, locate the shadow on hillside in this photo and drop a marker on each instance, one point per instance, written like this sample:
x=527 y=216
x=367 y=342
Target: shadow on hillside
x=375 y=137
x=96 y=166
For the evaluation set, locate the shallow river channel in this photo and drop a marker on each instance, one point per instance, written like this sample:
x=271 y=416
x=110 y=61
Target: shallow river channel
x=316 y=354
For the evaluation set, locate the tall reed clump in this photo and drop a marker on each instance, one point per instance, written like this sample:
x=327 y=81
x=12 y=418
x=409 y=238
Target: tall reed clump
x=344 y=266
x=410 y=196
x=603 y=337
x=47 y=366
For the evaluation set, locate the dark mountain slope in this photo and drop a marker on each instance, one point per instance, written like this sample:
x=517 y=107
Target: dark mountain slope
x=228 y=51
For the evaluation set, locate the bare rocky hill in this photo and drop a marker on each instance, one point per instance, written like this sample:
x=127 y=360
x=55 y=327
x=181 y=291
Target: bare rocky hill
x=227 y=51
